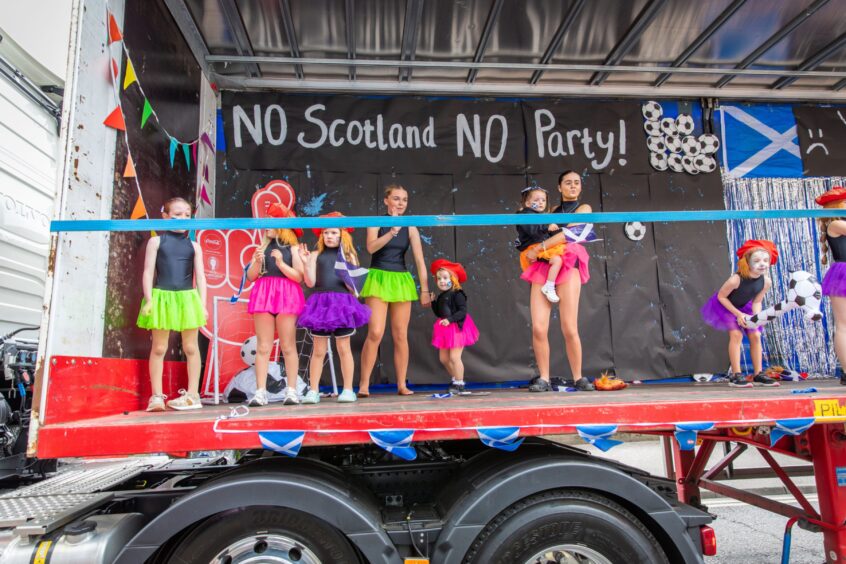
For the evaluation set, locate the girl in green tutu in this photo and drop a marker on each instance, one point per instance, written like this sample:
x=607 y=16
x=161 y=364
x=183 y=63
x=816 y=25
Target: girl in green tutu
x=172 y=263
x=390 y=289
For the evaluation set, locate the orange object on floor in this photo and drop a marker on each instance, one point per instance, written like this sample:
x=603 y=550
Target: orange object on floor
x=606 y=383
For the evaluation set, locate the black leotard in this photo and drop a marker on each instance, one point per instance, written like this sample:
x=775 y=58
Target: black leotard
x=838 y=247
x=175 y=262
x=391 y=257
x=326 y=279
x=748 y=289
x=528 y=235
x=270 y=267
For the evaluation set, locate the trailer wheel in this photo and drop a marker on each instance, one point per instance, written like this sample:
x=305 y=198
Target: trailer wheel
x=264 y=534
x=573 y=527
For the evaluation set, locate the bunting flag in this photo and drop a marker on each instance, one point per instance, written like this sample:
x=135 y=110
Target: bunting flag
x=352 y=275
x=139 y=210
x=792 y=427
x=396 y=442
x=194 y=146
x=146 y=112
x=599 y=436
x=207 y=141
x=503 y=438
x=173 y=145
x=580 y=233
x=114 y=30
x=129 y=77
x=206 y=169
x=283 y=442
x=686 y=433
x=129 y=171
x=204 y=195
x=186 y=150
x=115 y=71
x=221 y=138
x=115 y=120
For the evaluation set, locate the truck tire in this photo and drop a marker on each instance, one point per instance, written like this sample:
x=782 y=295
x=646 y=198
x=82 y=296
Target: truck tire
x=579 y=524
x=272 y=534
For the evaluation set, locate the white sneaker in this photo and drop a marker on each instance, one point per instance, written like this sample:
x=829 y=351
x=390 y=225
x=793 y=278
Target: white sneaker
x=185 y=401
x=157 y=402
x=291 y=397
x=260 y=398
x=548 y=290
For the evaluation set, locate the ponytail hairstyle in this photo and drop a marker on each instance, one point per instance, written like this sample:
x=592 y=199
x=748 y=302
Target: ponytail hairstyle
x=823 y=224
x=346 y=246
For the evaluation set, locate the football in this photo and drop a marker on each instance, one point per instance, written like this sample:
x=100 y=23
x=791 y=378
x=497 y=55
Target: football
x=690 y=145
x=705 y=163
x=684 y=124
x=804 y=290
x=673 y=142
x=652 y=128
x=688 y=166
x=248 y=351
x=674 y=161
x=656 y=143
x=709 y=143
x=635 y=230
x=652 y=111
x=658 y=161
x=668 y=126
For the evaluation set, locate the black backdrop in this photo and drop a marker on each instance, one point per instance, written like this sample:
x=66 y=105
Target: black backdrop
x=639 y=313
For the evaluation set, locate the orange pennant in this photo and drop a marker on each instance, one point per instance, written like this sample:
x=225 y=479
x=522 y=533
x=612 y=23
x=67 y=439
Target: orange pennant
x=114 y=30
x=114 y=70
x=129 y=171
x=139 y=210
x=115 y=120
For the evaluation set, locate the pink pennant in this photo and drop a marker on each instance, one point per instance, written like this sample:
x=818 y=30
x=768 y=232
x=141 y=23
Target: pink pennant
x=204 y=195
x=194 y=151
x=207 y=140
x=206 y=172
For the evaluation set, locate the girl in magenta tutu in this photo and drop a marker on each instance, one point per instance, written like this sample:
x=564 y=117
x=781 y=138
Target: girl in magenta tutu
x=454 y=328
x=275 y=302
x=332 y=310
x=833 y=238
x=742 y=294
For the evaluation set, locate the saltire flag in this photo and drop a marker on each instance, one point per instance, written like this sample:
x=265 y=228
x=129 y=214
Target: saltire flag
x=353 y=275
x=580 y=233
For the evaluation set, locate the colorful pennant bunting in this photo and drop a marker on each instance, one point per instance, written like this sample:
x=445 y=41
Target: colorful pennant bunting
x=173 y=145
x=129 y=76
x=129 y=171
x=503 y=438
x=204 y=195
x=114 y=30
x=115 y=120
x=283 y=442
x=187 y=152
x=146 y=112
x=397 y=442
x=114 y=70
x=139 y=210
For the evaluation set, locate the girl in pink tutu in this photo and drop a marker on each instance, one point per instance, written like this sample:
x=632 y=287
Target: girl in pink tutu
x=332 y=309
x=742 y=294
x=454 y=328
x=833 y=238
x=275 y=302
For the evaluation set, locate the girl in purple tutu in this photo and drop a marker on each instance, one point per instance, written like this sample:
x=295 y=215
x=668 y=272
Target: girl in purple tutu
x=276 y=300
x=332 y=309
x=833 y=238
x=454 y=328
x=742 y=294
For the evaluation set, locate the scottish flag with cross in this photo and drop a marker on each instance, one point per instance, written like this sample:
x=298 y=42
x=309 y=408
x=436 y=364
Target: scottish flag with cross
x=760 y=141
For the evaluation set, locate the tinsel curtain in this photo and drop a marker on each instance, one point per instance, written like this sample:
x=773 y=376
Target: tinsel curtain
x=790 y=341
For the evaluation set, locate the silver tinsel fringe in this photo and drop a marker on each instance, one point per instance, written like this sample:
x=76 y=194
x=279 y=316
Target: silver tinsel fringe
x=790 y=341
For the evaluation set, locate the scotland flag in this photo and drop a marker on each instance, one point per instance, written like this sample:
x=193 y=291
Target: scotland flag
x=352 y=275
x=760 y=141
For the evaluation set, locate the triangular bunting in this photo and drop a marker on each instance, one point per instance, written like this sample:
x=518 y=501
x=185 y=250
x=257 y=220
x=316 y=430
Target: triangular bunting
x=129 y=171
x=187 y=152
x=139 y=210
x=221 y=138
x=397 y=442
x=115 y=120
x=503 y=438
x=146 y=112
x=686 y=433
x=194 y=151
x=204 y=195
x=599 y=436
x=207 y=140
x=792 y=427
x=114 y=30
x=129 y=76
x=283 y=442
x=172 y=150
x=206 y=173
x=114 y=70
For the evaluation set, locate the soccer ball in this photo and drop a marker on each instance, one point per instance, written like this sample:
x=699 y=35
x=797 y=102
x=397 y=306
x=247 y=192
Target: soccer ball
x=674 y=144
x=705 y=163
x=652 y=128
x=709 y=143
x=652 y=110
x=658 y=161
x=684 y=124
x=674 y=161
x=688 y=166
x=804 y=290
x=668 y=126
x=635 y=230
x=690 y=145
x=248 y=351
x=656 y=144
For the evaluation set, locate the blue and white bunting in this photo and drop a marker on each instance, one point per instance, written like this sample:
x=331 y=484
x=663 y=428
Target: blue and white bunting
x=283 y=442
x=503 y=438
x=353 y=275
x=686 y=433
x=397 y=442
x=792 y=427
x=599 y=436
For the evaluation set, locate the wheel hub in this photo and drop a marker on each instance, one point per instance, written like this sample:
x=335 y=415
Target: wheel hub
x=568 y=554
x=266 y=549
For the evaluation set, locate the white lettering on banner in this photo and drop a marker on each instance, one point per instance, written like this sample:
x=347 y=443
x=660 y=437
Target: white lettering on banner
x=598 y=146
x=395 y=137
x=473 y=136
x=283 y=124
x=319 y=123
x=239 y=117
x=334 y=141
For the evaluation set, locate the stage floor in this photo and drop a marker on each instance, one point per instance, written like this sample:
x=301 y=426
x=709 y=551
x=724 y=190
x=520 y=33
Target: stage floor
x=655 y=407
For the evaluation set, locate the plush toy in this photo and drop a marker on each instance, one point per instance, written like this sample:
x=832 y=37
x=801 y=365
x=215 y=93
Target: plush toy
x=803 y=291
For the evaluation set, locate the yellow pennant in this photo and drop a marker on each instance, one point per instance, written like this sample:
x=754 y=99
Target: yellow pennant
x=129 y=77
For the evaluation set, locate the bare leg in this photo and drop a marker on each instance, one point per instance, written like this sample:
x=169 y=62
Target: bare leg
x=375 y=332
x=838 y=307
x=735 y=342
x=568 y=308
x=540 y=308
x=756 y=351
x=555 y=264
x=157 y=352
x=192 y=355
x=400 y=316
x=347 y=361
x=315 y=366
x=264 y=343
x=457 y=364
x=286 y=327
x=443 y=356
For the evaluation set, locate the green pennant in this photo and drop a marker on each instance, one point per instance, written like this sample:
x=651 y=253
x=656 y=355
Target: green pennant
x=146 y=112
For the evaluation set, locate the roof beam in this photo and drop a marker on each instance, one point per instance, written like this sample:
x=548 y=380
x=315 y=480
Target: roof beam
x=291 y=33
x=410 y=30
x=644 y=18
x=185 y=22
x=349 y=17
x=493 y=15
x=812 y=62
x=558 y=37
x=774 y=38
x=840 y=85
x=239 y=33
x=703 y=37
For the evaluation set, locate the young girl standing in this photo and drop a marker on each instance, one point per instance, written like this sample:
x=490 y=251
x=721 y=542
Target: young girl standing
x=389 y=288
x=172 y=263
x=742 y=294
x=533 y=199
x=833 y=238
x=454 y=328
x=276 y=300
x=332 y=310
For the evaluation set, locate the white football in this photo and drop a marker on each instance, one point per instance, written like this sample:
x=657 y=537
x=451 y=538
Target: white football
x=705 y=163
x=635 y=230
x=684 y=124
x=674 y=161
x=248 y=351
x=668 y=126
x=690 y=145
x=673 y=142
x=709 y=143
x=652 y=111
x=656 y=143
x=652 y=128
x=688 y=166
x=658 y=161
x=804 y=290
